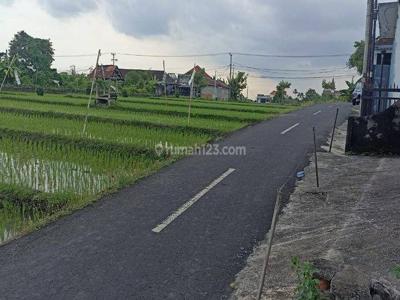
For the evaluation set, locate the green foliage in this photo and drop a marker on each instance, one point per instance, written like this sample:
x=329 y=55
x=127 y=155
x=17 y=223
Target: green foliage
x=311 y=95
x=237 y=84
x=6 y=68
x=346 y=94
x=124 y=92
x=329 y=85
x=40 y=91
x=200 y=79
x=281 y=93
x=139 y=82
x=306 y=284
x=35 y=57
x=356 y=60
x=396 y=271
x=32 y=199
x=74 y=81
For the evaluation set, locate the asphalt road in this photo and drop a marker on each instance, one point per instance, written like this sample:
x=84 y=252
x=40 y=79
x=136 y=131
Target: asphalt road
x=125 y=247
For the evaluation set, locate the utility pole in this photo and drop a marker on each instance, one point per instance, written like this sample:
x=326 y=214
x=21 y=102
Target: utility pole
x=114 y=60
x=230 y=75
x=165 y=80
x=366 y=103
x=230 y=66
x=215 y=86
x=73 y=70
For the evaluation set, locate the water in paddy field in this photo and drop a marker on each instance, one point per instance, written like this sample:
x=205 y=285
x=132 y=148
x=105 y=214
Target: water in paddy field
x=48 y=176
x=51 y=176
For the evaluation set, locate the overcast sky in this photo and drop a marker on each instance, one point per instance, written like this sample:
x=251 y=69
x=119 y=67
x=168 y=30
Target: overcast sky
x=169 y=27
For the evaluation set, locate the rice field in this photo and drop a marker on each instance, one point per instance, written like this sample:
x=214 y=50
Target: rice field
x=50 y=167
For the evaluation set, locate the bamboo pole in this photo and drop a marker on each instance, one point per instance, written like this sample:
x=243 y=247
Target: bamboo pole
x=8 y=70
x=91 y=92
x=191 y=93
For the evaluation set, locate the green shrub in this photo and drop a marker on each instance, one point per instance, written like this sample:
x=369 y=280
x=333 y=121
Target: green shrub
x=124 y=93
x=32 y=200
x=396 y=271
x=307 y=285
x=40 y=91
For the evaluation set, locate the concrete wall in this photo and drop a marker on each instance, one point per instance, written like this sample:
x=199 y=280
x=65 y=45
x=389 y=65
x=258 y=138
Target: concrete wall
x=208 y=92
x=378 y=133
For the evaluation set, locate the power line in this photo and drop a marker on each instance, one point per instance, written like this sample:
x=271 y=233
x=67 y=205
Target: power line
x=77 y=55
x=213 y=54
x=303 y=77
x=292 y=56
x=174 y=56
x=321 y=70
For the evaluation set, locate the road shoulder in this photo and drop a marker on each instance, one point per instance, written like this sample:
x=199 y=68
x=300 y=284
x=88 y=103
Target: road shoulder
x=348 y=228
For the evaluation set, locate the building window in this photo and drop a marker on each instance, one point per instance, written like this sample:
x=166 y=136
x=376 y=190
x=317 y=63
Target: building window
x=387 y=58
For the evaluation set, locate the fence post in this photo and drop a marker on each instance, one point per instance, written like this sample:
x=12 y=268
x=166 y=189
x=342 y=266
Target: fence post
x=316 y=158
x=270 y=239
x=333 y=130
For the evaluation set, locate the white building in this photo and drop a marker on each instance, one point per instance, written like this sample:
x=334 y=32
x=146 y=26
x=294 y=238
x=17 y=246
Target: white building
x=261 y=98
x=386 y=70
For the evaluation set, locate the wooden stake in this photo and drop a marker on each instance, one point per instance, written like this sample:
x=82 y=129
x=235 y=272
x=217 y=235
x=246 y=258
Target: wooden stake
x=191 y=93
x=91 y=91
x=270 y=240
x=316 y=158
x=333 y=130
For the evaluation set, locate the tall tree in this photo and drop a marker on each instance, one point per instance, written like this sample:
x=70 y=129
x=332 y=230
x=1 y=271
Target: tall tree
x=35 y=56
x=281 y=88
x=311 y=94
x=356 y=60
x=237 y=84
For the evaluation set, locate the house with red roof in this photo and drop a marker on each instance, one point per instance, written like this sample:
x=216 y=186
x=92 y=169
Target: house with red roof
x=215 y=88
x=114 y=73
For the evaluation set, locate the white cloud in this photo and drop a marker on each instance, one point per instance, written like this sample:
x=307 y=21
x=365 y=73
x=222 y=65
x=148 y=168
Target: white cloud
x=192 y=26
x=67 y=8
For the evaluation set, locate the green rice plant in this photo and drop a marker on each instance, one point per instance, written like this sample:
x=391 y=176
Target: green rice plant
x=80 y=116
x=208 y=112
x=122 y=134
x=147 y=117
x=57 y=168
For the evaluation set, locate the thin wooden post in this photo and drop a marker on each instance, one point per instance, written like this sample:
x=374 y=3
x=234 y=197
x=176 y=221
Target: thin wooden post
x=165 y=81
x=270 y=240
x=91 y=91
x=333 y=130
x=316 y=158
x=191 y=93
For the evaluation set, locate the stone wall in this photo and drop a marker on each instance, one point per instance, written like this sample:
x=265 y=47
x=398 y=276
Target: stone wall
x=375 y=134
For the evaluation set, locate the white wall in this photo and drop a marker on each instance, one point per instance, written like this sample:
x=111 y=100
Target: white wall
x=395 y=67
x=208 y=92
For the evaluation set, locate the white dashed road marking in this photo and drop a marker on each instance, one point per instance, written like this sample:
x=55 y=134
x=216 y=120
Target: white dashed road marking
x=290 y=128
x=192 y=201
x=317 y=112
